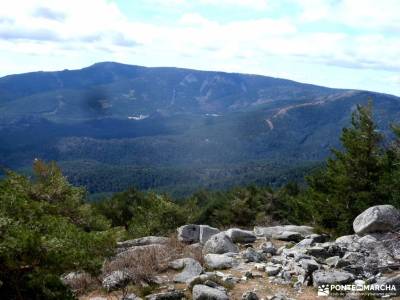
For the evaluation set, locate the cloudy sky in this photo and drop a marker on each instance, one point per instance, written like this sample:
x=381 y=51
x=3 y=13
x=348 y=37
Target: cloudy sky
x=338 y=43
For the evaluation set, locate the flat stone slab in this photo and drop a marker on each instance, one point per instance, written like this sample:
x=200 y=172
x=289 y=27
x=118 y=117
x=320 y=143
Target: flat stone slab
x=269 y=232
x=332 y=277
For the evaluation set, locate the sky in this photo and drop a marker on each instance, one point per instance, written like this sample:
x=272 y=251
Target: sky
x=336 y=43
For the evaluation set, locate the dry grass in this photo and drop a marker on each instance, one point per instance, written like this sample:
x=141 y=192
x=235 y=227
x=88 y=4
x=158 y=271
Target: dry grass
x=175 y=246
x=81 y=283
x=182 y=250
x=143 y=263
x=195 y=253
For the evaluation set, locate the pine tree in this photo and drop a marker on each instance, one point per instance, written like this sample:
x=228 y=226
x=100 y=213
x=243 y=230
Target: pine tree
x=350 y=182
x=390 y=182
x=46 y=230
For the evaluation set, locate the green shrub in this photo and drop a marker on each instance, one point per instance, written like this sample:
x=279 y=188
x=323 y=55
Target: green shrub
x=46 y=229
x=143 y=213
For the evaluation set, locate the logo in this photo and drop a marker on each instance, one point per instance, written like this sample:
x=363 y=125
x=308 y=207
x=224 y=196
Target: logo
x=323 y=290
x=359 y=288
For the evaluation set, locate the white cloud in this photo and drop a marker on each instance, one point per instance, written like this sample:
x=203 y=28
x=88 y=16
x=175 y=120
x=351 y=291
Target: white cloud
x=80 y=32
x=394 y=79
x=195 y=19
x=170 y=3
x=48 y=13
x=383 y=14
x=99 y=24
x=59 y=20
x=314 y=10
x=368 y=14
x=257 y=38
x=253 y=4
x=246 y=4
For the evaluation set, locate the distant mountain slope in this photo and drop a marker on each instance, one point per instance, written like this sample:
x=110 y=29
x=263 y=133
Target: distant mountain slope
x=120 y=91
x=114 y=115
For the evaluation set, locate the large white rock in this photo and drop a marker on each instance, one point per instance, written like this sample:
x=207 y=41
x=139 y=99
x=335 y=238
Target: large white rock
x=276 y=231
x=206 y=232
x=220 y=243
x=380 y=218
x=189 y=233
x=332 y=277
x=219 y=261
x=193 y=233
x=204 y=292
x=191 y=268
x=241 y=236
x=383 y=250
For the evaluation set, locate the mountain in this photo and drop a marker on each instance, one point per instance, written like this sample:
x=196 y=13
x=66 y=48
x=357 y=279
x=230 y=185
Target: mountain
x=112 y=125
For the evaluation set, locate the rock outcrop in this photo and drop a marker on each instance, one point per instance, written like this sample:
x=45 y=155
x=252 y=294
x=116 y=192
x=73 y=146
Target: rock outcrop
x=241 y=236
x=332 y=277
x=220 y=243
x=370 y=256
x=380 y=218
x=191 y=268
x=219 y=261
x=206 y=232
x=196 y=233
x=204 y=292
x=275 y=232
x=189 y=233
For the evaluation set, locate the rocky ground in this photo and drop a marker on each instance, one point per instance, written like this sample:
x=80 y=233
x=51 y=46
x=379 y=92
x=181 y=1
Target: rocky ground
x=280 y=262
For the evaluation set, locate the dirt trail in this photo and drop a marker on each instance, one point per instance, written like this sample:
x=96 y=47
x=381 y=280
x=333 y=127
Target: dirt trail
x=283 y=111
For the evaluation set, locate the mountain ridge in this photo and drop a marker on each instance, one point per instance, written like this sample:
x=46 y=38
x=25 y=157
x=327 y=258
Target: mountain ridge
x=122 y=70
x=113 y=64
x=155 y=118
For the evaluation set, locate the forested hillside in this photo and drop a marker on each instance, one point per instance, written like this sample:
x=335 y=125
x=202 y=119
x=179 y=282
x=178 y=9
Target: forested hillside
x=49 y=229
x=112 y=126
